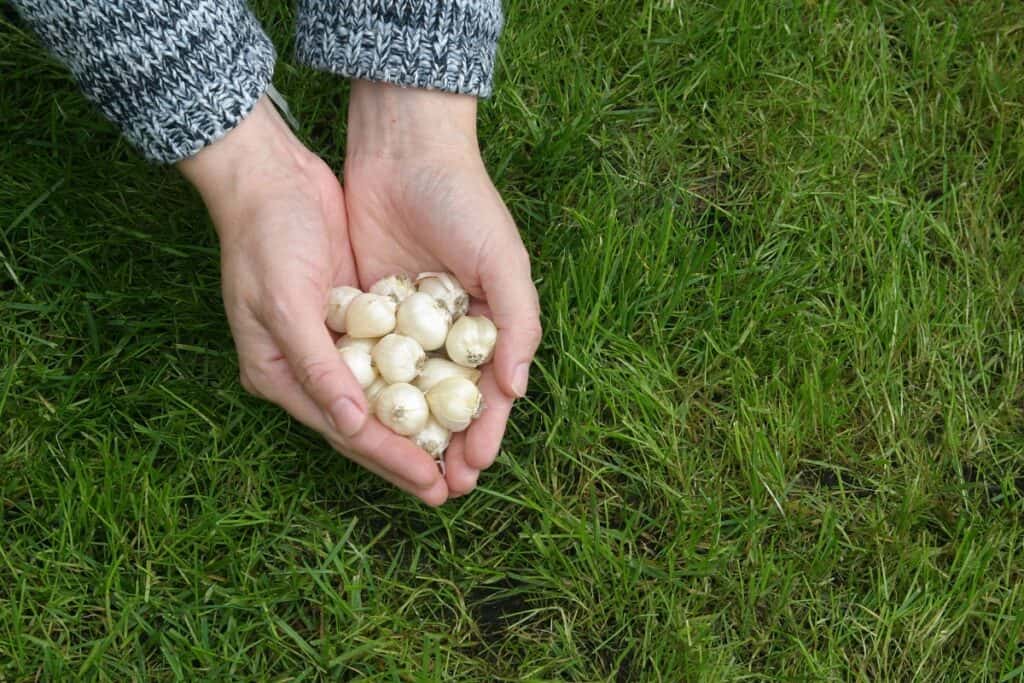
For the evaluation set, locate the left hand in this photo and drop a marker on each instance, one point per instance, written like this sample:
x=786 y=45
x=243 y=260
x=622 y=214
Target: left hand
x=280 y=216
x=419 y=198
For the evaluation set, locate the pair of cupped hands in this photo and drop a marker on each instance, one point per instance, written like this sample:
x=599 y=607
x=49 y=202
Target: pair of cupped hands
x=416 y=198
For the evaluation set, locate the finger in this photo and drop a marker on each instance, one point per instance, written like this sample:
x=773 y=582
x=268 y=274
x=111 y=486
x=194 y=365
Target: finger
x=515 y=310
x=433 y=494
x=460 y=476
x=483 y=438
x=477 y=307
x=307 y=345
x=396 y=453
x=405 y=470
x=374 y=444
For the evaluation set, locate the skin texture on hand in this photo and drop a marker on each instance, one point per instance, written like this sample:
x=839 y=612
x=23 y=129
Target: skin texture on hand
x=279 y=213
x=419 y=198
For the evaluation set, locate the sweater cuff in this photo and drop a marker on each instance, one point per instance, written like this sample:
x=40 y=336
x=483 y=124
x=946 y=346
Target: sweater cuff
x=174 y=76
x=439 y=44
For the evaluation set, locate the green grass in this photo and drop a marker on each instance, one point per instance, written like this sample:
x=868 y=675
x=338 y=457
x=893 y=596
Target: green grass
x=776 y=430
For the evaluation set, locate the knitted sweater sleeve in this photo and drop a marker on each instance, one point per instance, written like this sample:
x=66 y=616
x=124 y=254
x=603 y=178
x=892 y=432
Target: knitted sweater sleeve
x=174 y=75
x=441 y=44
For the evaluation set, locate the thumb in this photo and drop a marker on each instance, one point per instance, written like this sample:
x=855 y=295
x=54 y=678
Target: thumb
x=515 y=310
x=315 y=362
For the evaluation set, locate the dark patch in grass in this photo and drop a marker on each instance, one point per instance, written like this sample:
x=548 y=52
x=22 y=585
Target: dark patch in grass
x=824 y=477
x=627 y=669
x=652 y=542
x=494 y=607
x=937 y=525
x=998 y=499
x=820 y=477
x=14 y=513
x=988 y=490
x=614 y=661
x=935 y=430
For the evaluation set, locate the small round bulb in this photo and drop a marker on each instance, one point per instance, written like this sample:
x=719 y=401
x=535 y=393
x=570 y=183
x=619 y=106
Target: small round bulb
x=360 y=364
x=373 y=391
x=370 y=315
x=352 y=342
x=397 y=287
x=455 y=402
x=437 y=369
x=433 y=438
x=398 y=358
x=446 y=289
x=402 y=408
x=471 y=341
x=425 y=319
x=338 y=300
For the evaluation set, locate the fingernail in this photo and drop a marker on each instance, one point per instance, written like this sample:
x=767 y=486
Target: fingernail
x=347 y=417
x=520 y=378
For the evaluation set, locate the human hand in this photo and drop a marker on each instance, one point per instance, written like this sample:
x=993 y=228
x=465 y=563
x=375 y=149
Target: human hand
x=280 y=217
x=419 y=198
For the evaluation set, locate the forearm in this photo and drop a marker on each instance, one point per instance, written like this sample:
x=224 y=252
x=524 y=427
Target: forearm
x=174 y=76
x=446 y=45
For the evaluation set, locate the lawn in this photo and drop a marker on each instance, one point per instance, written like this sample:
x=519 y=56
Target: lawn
x=775 y=432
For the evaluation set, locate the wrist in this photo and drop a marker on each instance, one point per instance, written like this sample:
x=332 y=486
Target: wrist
x=261 y=145
x=396 y=122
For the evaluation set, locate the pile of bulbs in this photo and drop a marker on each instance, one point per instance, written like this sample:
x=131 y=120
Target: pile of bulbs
x=415 y=351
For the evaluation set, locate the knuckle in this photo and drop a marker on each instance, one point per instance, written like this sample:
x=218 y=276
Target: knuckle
x=535 y=303
x=255 y=380
x=532 y=332
x=247 y=384
x=315 y=372
x=280 y=311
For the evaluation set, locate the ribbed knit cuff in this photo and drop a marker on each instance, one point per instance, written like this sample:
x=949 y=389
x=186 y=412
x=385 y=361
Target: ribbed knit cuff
x=441 y=44
x=174 y=76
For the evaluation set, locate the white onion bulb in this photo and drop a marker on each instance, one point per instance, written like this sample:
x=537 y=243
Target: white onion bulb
x=373 y=391
x=425 y=319
x=402 y=408
x=370 y=315
x=437 y=369
x=433 y=438
x=455 y=402
x=360 y=363
x=471 y=341
x=338 y=300
x=445 y=289
x=347 y=342
x=397 y=287
x=398 y=358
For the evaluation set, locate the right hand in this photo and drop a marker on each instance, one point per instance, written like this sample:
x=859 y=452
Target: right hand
x=280 y=215
x=419 y=198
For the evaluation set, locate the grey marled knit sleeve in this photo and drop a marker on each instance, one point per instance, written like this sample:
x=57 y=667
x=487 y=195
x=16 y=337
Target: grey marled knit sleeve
x=174 y=75
x=441 y=44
